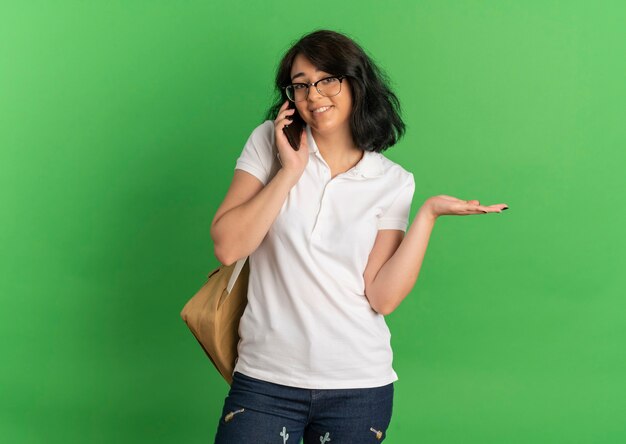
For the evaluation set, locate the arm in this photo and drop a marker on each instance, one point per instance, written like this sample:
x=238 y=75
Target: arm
x=392 y=272
x=249 y=209
x=401 y=266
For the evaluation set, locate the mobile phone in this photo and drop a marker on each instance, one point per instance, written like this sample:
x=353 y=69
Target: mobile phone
x=293 y=131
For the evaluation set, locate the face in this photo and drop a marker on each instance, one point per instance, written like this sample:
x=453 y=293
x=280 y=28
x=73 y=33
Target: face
x=334 y=118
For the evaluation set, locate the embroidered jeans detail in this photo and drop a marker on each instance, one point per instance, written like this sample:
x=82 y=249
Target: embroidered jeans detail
x=288 y=415
x=285 y=435
x=230 y=415
x=379 y=434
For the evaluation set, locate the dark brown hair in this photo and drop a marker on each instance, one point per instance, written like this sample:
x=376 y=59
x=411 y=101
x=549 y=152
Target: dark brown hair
x=375 y=119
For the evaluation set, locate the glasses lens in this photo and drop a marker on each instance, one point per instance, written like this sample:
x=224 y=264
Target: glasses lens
x=289 y=92
x=329 y=87
x=300 y=92
x=296 y=92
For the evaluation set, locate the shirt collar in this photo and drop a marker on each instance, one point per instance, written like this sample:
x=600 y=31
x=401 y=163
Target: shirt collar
x=371 y=165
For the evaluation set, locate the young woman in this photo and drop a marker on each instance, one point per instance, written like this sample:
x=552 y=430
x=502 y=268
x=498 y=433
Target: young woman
x=324 y=228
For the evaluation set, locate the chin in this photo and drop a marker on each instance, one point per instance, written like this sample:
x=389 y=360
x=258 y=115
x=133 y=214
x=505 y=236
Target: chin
x=330 y=126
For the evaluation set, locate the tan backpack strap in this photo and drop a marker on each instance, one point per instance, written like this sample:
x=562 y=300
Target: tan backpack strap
x=236 y=271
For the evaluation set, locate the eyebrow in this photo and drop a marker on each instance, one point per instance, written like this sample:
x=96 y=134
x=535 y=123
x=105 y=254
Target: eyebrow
x=300 y=74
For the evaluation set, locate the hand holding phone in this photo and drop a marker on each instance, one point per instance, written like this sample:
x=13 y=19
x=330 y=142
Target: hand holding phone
x=291 y=140
x=293 y=130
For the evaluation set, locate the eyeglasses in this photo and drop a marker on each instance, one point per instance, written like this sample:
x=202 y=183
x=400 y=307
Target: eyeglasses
x=328 y=87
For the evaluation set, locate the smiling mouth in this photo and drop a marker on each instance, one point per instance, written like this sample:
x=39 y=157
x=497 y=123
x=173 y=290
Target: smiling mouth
x=322 y=109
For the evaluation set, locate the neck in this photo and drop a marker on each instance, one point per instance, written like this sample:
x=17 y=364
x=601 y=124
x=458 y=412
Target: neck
x=338 y=149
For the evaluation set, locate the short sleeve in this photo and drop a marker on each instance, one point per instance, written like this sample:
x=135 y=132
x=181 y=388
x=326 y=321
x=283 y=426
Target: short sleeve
x=396 y=217
x=256 y=157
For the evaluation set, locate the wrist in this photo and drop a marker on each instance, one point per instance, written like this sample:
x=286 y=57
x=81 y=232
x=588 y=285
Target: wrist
x=289 y=175
x=426 y=212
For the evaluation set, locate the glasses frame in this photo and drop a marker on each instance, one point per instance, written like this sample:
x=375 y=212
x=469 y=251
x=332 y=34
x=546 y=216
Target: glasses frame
x=308 y=85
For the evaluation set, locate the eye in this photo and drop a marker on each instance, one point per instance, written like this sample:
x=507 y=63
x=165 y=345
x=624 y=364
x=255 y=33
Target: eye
x=329 y=80
x=299 y=85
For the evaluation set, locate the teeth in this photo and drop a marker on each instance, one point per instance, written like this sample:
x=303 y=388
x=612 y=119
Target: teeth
x=321 y=110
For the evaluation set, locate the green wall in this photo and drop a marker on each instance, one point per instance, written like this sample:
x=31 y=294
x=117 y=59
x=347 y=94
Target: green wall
x=120 y=124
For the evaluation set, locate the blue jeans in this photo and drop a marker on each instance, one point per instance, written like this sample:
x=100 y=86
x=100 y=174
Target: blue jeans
x=259 y=412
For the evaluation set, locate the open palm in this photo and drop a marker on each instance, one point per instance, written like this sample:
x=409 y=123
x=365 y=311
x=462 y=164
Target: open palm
x=447 y=205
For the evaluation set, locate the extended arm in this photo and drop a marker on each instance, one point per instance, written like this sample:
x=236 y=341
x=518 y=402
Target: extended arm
x=392 y=272
x=398 y=274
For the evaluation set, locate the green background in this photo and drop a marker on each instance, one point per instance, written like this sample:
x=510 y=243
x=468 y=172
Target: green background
x=120 y=124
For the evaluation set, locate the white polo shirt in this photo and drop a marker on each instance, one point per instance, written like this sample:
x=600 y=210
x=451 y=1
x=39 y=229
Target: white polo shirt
x=308 y=322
